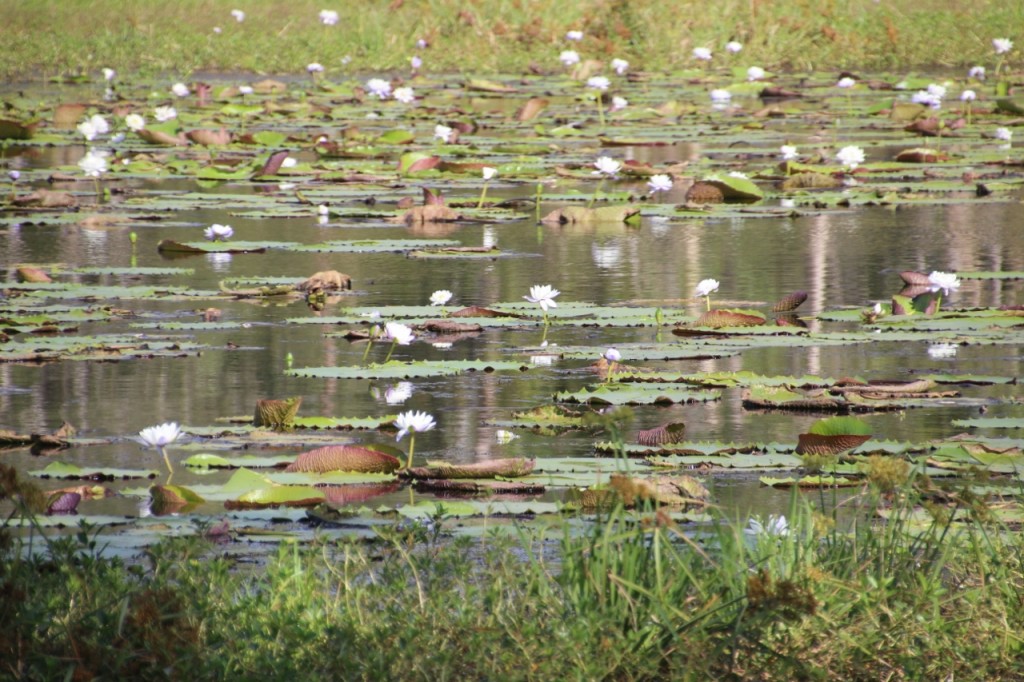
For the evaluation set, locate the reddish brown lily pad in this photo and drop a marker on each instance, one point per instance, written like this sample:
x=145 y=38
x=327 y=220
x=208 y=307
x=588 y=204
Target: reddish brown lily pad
x=345 y=458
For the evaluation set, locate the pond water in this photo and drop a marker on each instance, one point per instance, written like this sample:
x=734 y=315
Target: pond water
x=843 y=257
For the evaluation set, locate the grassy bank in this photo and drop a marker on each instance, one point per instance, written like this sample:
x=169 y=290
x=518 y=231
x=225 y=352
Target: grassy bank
x=49 y=37
x=635 y=598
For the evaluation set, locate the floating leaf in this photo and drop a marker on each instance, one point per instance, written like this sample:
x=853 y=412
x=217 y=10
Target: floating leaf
x=345 y=458
x=508 y=468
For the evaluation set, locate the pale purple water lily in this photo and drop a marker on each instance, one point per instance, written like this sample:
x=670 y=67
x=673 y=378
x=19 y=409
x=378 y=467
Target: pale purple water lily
x=238 y=14
x=720 y=96
x=315 y=67
x=160 y=437
x=245 y=89
x=379 y=87
x=328 y=17
x=976 y=72
x=755 y=73
x=574 y=35
x=733 y=47
x=968 y=96
x=612 y=355
x=706 y=287
x=775 y=526
x=846 y=82
x=108 y=74
x=620 y=66
x=619 y=103
x=398 y=333
x=1004 y=134
x=180 y=90
x=788 y=152
x=598 y=83
x=702 y=53
x=569 y=57
x=1002 y=45
x=415 y=62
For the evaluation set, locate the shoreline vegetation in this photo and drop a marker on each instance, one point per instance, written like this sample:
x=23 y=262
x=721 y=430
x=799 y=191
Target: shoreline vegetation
x=50 y=38
x=931 y=593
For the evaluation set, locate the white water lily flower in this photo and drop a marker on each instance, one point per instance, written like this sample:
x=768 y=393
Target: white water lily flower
x=422 y=43
x=245 y=89
x=322 y=209
x=719 y=96
x=504 y=437
x=379 y=87
x=180 y=89
x=846 y=82
x=416 y=62
x=733 y=47
x=488 y=173
x=619 y=103
x=405 y=95
x=1002 y=45
x=946 y=281
x=936 y=90
x=706 y=287
x=569 y=57
x=1004 y=134
x=440 y=297
x=620 y=65
x=238 y=14
x=598 y=83
x=574 y=35
x=612 y=355
x=702 y=53
x=14 y=175
x=660 y=183
x=164 y=114
x=94 y=163
x=926 y=98
x=398 y=333
x=88 y=130
x=968 y=96
x=738 y=174
x=314 y=67
x=850 y=156
x=755 y=73
x=606 y=165
x=218 y=233
x=135 y=122
x=788 y=152
x=775 y=526
x=938 y=351
x=977 y=72
x=328 y=17
x=108 y=74
x=399 y=393
x=417 y=422
x=289 y=162
x=543 y=295
x=443 y=132
x=160 y=436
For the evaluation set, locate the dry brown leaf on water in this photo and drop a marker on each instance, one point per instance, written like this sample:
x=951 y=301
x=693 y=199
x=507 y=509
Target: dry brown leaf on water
x=326 y=280
x=46 y=198
x=507 y=468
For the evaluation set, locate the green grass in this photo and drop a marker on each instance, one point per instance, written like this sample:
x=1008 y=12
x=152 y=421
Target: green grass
x=634 y=598
x=50 y=37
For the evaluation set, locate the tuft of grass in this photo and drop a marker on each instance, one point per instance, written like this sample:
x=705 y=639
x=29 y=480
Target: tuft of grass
x=633 y=597
x=68 y=37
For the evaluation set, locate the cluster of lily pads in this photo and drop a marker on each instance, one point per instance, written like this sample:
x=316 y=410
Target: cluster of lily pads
x=309 y=146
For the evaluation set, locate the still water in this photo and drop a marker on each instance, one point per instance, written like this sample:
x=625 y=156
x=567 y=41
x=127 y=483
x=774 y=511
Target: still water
x=840 y=258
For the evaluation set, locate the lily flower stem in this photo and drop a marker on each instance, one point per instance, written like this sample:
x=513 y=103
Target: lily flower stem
x=390 y=351
x=99 y=190
x=540 y=191
x=707 y=301
x=968 y=113
x=611 y=372
x=938 y=303
x=596 y=191
x=600 y=109
x=412 y=446
x=483 y=195
x=366 y=351
x=167 y=460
